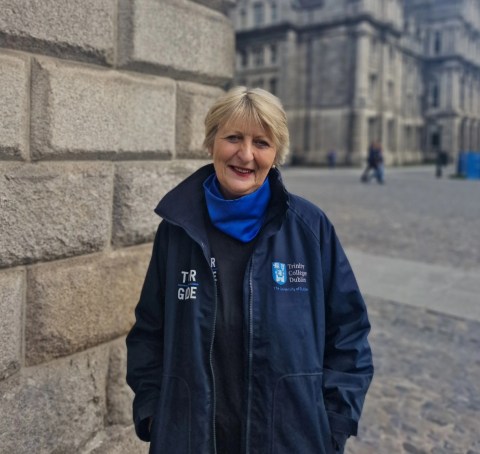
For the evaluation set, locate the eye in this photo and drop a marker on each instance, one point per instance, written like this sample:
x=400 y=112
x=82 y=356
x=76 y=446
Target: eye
x=262 y=143
x=233 y=138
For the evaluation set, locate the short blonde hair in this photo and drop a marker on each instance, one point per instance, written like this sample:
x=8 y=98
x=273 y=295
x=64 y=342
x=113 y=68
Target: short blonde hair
x=253 y=106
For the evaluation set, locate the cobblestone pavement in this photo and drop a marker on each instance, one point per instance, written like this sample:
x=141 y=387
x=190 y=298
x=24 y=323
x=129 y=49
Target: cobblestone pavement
x=413 y=216
x=425 y=396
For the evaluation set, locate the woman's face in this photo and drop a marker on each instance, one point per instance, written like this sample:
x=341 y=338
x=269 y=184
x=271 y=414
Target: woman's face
x=242 y=158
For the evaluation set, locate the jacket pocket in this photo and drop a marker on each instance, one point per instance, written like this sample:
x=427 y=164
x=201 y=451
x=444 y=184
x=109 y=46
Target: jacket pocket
x=300 y=424
x=172 y=421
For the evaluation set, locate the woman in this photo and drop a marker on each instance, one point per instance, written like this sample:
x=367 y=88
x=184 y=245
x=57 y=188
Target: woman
x=250 y=333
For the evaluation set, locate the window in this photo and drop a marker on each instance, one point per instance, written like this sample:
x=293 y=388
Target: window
x=419 y=33
x=258 y=56
x=470 y=97
x=408 y=137
x=409 y=104
x=437 y=43
x=243 y=18
x=391 y=93
x=391 y=135
x=258 y=14
x=372 y=129
x=391 y=55
x=258 y=83
x=273 y=11
x=243 y=58
x=309 y=3
x=435 y=95
x=419 y=137
x=374 y=46
x=373 y=85
x=273 y=53
x=273 y=85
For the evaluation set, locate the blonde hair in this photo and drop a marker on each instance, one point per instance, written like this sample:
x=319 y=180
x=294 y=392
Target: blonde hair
x=250 y=107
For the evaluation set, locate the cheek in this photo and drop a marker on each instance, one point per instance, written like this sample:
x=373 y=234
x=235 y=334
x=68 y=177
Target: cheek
x=266 y=162
x=223 y=153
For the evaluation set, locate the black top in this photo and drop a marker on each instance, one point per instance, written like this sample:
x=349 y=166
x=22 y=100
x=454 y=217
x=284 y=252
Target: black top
x=229 y=353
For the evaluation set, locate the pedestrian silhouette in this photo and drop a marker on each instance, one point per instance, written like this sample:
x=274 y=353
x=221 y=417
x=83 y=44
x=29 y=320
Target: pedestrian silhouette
x=374 y=163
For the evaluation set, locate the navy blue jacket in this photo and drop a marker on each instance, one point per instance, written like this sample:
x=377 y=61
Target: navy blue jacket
x=309 y=363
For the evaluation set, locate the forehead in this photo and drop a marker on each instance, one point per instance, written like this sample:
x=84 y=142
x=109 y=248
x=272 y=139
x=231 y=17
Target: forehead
x=251 y=128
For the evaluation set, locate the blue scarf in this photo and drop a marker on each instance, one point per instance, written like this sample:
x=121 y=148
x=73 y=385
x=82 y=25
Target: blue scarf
x=240 y=218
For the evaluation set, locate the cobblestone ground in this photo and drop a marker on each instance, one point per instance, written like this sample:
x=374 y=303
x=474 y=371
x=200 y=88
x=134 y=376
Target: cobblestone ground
x=425 y=396
x=413 y=216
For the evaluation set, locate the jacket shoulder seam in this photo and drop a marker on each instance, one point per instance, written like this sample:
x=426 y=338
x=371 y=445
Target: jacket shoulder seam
x=300 y=215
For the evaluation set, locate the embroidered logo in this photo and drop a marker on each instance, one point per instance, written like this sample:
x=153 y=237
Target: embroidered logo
x=279 y=273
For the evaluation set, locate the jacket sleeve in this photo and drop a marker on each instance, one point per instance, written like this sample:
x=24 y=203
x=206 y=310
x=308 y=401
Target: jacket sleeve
x=348 y=367
x=145 y=342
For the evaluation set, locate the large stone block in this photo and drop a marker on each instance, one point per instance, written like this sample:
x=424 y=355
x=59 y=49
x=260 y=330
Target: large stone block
x=119 y=395
x=53 y=210
x=80 y=112
x=193 y=102
x=56 y=407
x=177 y=38
x=13 y=106
x=79 y=303
x=78 y=30
x=139 y=186
x=12 y=289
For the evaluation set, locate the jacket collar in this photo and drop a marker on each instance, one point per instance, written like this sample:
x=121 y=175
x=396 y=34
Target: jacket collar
x=185 y=205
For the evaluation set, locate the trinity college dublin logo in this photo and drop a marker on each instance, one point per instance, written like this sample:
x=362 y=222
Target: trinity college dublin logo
x=279 y=273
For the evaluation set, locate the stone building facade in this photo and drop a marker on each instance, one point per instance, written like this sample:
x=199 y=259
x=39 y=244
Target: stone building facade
x=101 y=112
x=404 y=72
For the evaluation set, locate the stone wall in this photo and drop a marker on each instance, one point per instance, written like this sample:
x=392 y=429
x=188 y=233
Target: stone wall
x=101 y=112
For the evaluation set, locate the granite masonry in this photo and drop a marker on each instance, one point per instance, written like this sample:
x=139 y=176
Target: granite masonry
x=101 y=112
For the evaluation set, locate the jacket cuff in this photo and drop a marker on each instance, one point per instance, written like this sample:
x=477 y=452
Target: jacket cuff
x=339 y=440
x=342 y=424
x=141 y=419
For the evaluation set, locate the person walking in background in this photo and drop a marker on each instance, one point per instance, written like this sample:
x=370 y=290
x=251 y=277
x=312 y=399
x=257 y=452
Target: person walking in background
x=441 y=160
x=251 y=331
x=374 y=163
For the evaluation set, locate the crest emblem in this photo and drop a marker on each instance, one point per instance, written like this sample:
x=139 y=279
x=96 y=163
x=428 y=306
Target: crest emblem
x=279 y=273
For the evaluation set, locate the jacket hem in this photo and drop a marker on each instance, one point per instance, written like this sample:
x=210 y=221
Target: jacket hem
x=342 y=424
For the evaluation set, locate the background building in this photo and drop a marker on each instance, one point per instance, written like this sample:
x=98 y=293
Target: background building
x=405 y=72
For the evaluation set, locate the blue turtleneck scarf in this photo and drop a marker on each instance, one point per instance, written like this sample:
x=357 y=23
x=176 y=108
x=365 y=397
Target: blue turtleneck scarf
x=240 y=218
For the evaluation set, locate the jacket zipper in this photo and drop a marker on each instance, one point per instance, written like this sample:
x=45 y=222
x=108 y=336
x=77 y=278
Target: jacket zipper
x=250 y=357
x=211 y=358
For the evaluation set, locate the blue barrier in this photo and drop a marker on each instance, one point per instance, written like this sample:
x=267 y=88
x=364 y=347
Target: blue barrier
x=468 y=165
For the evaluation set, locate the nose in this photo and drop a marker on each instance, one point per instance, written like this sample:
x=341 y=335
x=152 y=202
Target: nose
x=246 y=150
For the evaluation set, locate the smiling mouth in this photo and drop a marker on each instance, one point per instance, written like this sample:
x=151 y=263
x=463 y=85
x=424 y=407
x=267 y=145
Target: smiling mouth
x=241 y=171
